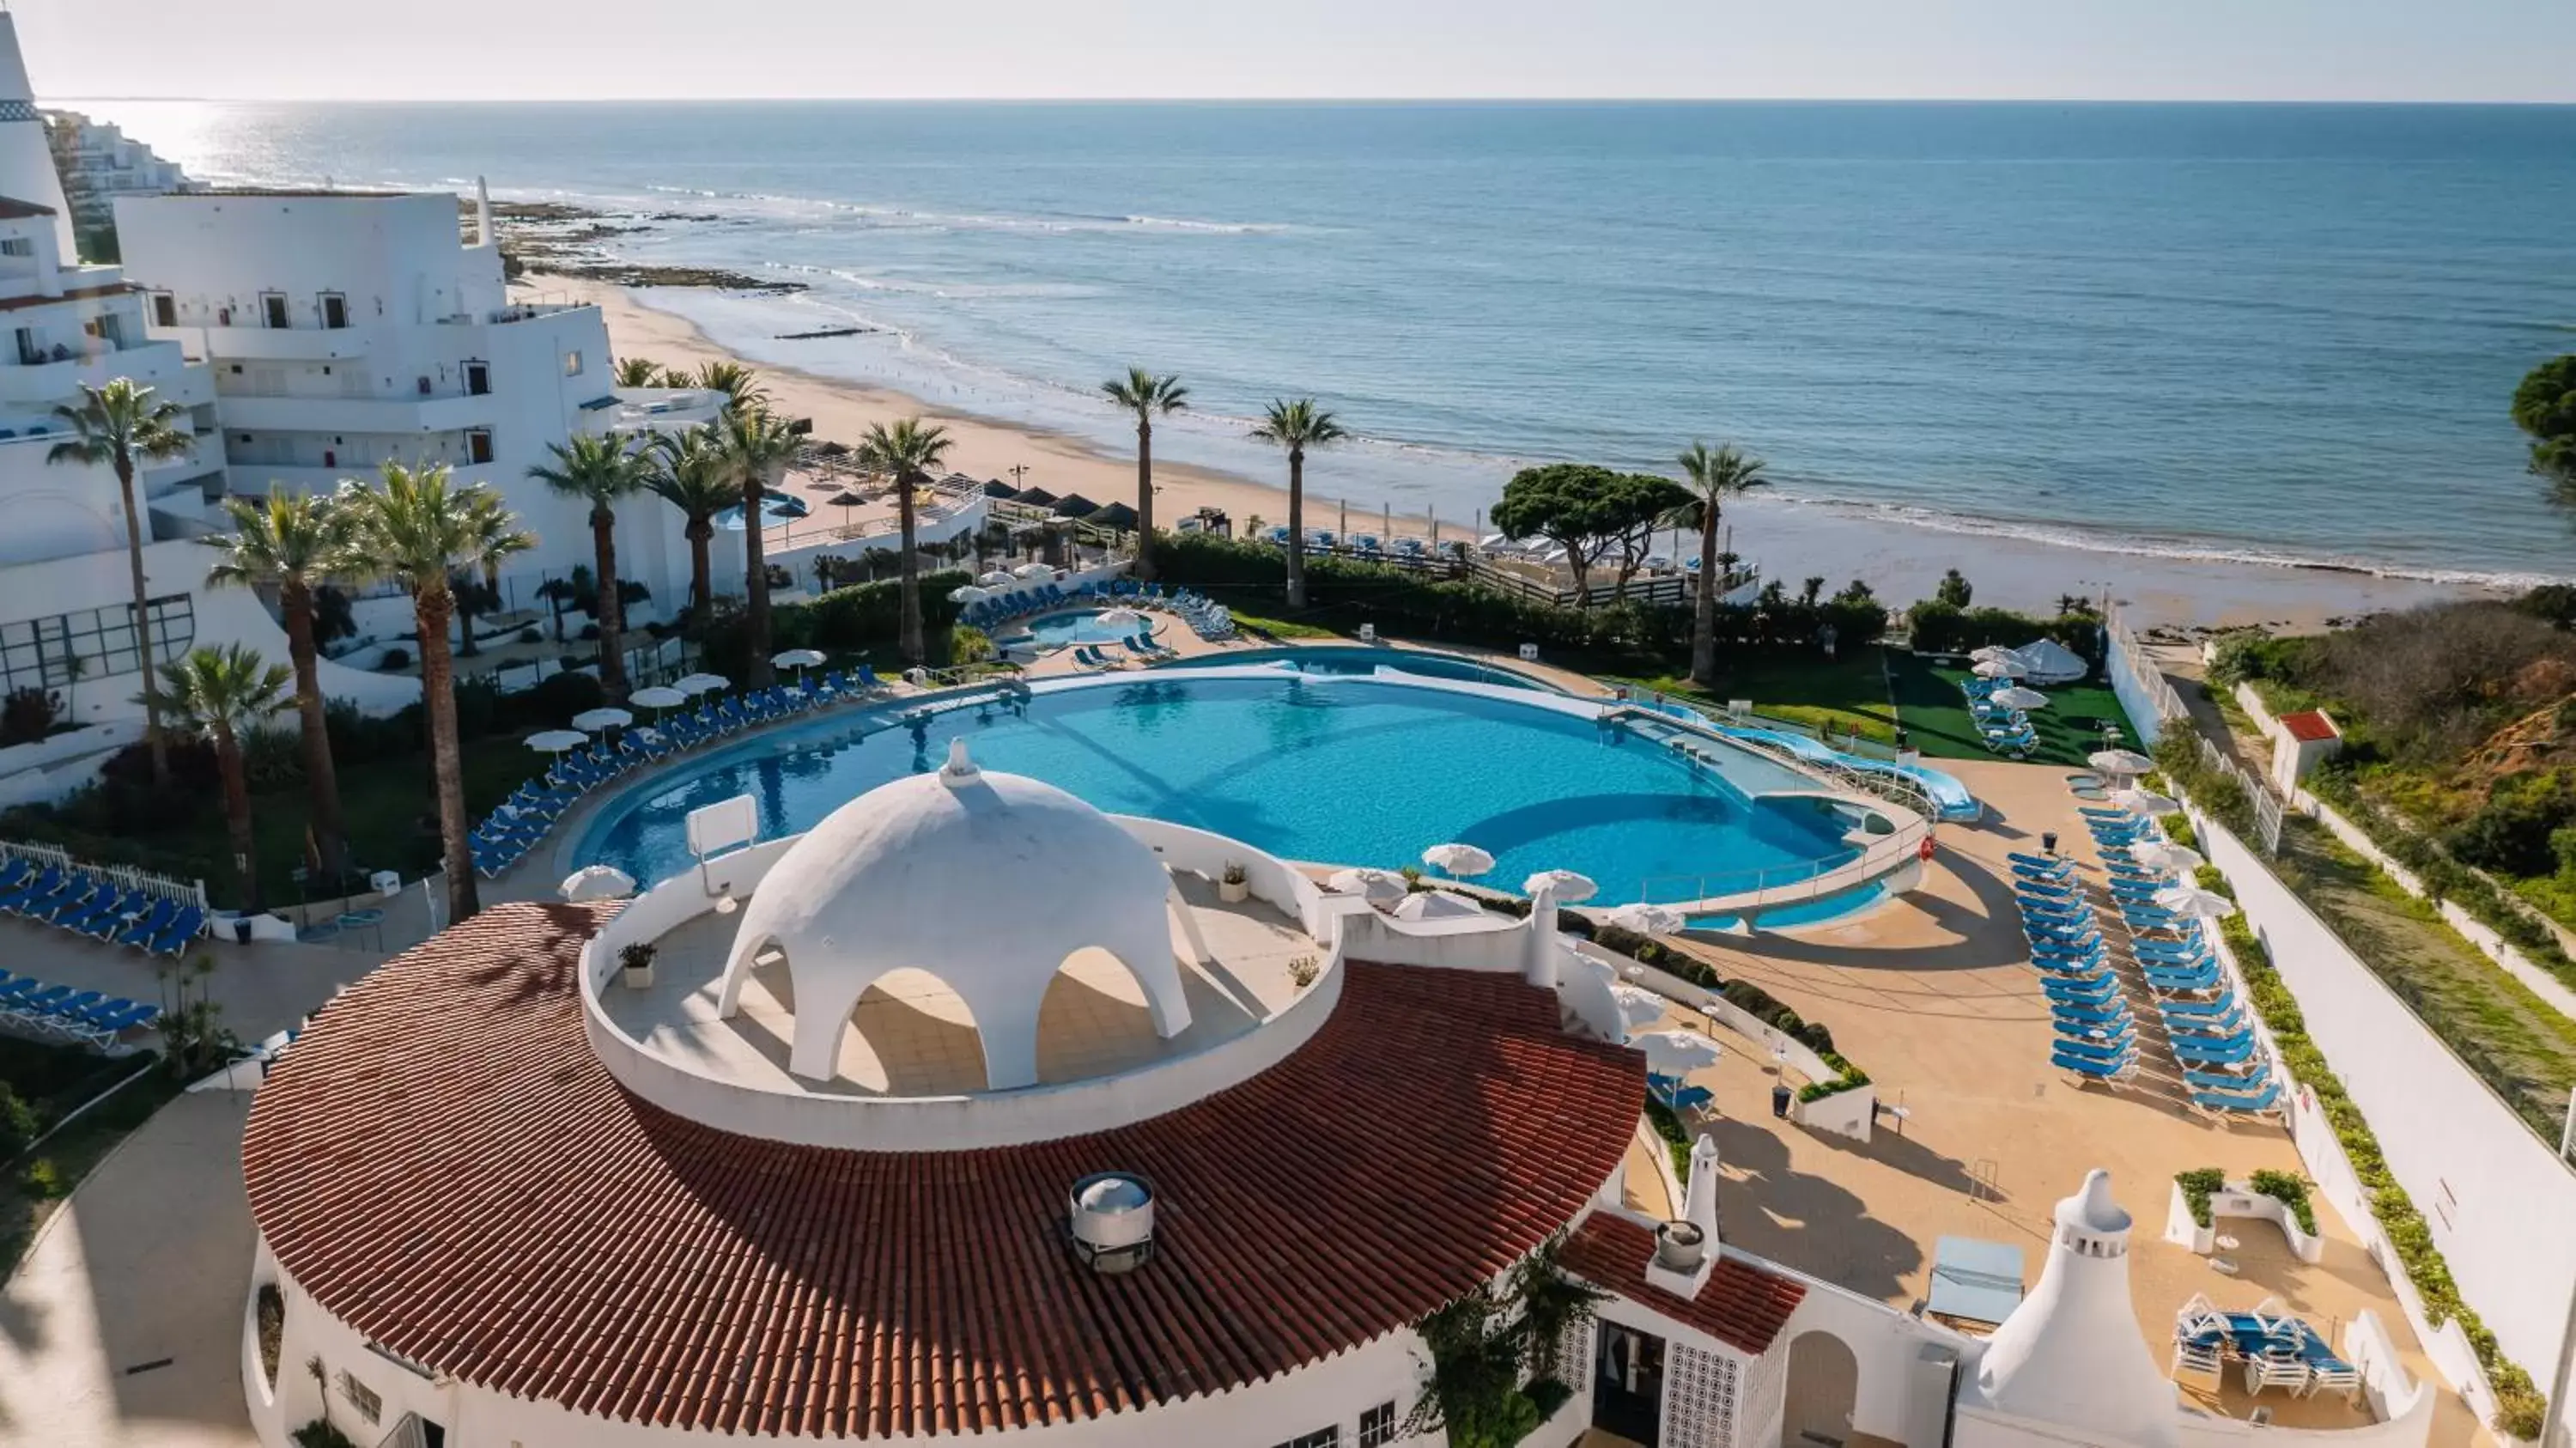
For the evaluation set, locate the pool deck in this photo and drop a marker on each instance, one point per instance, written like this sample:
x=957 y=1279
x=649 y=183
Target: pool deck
x=1934 y=996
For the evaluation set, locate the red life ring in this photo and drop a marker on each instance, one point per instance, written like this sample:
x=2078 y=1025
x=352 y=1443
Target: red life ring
x=1924 y=850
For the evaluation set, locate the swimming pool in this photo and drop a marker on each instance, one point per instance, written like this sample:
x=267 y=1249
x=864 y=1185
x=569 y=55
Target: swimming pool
x=1360 y=771
x=1361 y=659
x=1085 y=626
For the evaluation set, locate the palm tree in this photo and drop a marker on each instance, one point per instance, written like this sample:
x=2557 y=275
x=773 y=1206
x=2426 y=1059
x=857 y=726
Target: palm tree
x=1714 y=478
x=601 y=471
x=740 y=385
x=757 y=448
x=118 y=426
x=293 y=543
x=910 y=453
x=219 y=695
x=1146 y=395
x=637 y=372
x=690 y=474
x=413 y=527
x=1297 y=426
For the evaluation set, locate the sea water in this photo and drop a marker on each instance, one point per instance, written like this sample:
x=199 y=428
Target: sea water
x=2275 y=331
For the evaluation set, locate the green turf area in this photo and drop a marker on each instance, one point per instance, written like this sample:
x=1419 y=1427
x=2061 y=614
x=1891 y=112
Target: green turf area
x=1835 y=696
x=54 y=1081
x=1936 y=715
x=1280 y=628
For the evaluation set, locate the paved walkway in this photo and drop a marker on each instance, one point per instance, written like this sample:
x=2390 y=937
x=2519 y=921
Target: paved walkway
x=123 y=1326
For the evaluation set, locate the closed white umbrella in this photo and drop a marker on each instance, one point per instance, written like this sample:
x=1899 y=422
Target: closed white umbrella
x=2166 y=856
x=1638 y=1008
x=2196 y=903
x=2017 y=697
x=2145 y=802
x=1438 y=905
x=1375 y=885
x=556 y=741
x=1647 y=919
x=1569 y=887
x=1460 y=860
x=1677 y=1053
x=2127 y=762
x=598 y=719
x=598 y=882
x=660 y=696
x=696 y=684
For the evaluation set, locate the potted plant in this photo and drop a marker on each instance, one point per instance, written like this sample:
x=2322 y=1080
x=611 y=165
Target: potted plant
x=635 y=965
x=1235 y=885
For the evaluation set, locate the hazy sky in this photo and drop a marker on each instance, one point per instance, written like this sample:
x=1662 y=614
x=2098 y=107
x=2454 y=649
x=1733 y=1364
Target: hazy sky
x=584 y=49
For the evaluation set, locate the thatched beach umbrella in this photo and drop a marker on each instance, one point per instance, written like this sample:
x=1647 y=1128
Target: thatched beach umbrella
x=1115 y=515
x=845 y=500
x=999 y=489
x=1037 y=498
x=1075 y=505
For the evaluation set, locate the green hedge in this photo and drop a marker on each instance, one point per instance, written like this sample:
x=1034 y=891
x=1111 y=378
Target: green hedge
x=2519 y=1404
x=2198 y=1185
x=1941 y=628
x=845 y=620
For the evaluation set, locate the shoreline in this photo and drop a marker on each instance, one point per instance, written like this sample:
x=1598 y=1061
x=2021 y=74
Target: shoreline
x=1903 y=560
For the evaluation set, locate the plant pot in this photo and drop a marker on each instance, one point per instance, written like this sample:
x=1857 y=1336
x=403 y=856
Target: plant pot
x=1233 y=892
x=636 y=977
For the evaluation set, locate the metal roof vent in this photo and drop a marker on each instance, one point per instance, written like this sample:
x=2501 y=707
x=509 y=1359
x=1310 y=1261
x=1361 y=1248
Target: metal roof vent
x=1680 y=1246
x=1112 y=1221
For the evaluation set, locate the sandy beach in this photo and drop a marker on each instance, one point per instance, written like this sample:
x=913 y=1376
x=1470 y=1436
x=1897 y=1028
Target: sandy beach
x=1789 y=540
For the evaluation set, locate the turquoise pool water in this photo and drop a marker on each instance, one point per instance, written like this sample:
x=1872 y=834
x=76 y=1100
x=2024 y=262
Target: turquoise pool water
x=1345 y=659
x=1351 y=770
x=1060 y=630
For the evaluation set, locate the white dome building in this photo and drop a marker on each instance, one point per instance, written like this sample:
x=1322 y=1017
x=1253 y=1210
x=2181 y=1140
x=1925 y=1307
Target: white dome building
x=989 y=881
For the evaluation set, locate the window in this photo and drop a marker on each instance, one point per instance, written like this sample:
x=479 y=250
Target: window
x=272 y=308
x=478 y=379
x=1377 y=1426
x=31 y=349
x=1321 y=1438
x=17 y=246
x=572 y=363
x=361 y=1397
x=478 y=445
x=335 y=310
x=165 y=310
x=37 y=653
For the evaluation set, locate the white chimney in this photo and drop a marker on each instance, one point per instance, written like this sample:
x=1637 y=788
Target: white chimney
x=482 y=213
x=1686 y=1249
x=2071 y=1355
x=1540 y=969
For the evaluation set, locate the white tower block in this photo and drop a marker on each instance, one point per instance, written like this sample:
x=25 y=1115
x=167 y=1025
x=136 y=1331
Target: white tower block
x=2070 y=1354
x=26 y=162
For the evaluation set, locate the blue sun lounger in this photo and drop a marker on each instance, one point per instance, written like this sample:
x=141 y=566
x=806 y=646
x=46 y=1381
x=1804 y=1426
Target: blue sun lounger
x=2266 y=1099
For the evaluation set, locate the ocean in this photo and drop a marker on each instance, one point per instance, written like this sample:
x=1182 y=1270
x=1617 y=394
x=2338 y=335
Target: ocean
x=2281 y=333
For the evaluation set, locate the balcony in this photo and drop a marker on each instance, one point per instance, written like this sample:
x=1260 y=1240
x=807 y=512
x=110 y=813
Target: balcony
x=395 y=415
x=274 y=344
x=45 y=382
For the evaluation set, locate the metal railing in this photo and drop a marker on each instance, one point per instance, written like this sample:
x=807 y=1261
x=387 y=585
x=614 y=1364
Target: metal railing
x=1682 y=714
x=1748 y=890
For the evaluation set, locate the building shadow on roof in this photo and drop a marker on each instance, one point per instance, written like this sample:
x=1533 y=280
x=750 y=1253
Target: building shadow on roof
x=1803 y=1220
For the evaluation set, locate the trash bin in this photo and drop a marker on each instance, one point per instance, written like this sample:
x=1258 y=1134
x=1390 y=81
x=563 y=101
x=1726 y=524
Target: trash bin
x=241 y=930
x=1781 y=1096
x=2048 y=842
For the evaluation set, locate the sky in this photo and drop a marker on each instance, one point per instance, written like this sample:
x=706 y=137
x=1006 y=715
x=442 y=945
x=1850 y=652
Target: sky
x=2452 y=50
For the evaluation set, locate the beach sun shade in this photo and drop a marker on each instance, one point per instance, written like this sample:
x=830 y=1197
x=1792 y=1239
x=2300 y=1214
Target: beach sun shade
x=1638 y=1008
x=1033 y=570
x=556 y=741
x=1114 y=515
x=1995 y=654
x=1074 y=505
x=2018 y=698
x=1438 y=905
x=797 y=659
x=597 y=882
x=696 y=684
x=998 y=578
x=1036 y=498
x=602 y=719
x=2166 y=856
x=1373 y=885
x=1121 y=617
x=2195 y=902
x=969 y=594
x=1458 y=859
x=2121 y=761
x=1998 y=669
x=660 y=696
x=2144 y=801
x=1676 y=1053
x=999 y=489
x=1647 y=919
x=1570 y=888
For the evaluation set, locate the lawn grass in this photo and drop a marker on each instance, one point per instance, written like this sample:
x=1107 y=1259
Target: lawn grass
x=2517 y=1042
x=56 y=1080
x=1834 y=696
x=1935 y=711
x=1280 y=628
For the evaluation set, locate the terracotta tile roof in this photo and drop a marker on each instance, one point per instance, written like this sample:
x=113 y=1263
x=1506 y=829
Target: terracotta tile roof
x=1740 y=1304
x=13 y=209
x=2309 y=726
x=444 y=1165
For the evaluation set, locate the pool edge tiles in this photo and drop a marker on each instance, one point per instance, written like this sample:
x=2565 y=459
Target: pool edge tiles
x=1289 y=762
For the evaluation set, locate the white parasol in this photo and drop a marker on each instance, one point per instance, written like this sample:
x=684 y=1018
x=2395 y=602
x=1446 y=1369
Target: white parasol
x=1675 y=1053
x=2145 y=802
x=1438 y=905
x=969 y=594
x=1375 y=885
x=1569 y=887
x=1647 y=919
x=1457 y=859
x=1638 y=1008
x=2196 y=903
x=1122 y=617
x=1998 y=669
x=2166 y=856
x=2017 y=697
x=696 y=684
x=556 y=741
x=998 y=578
x=594 y=720
x=598 y=882
x=1033 y=570
x=2125 y=762
x=660 y=696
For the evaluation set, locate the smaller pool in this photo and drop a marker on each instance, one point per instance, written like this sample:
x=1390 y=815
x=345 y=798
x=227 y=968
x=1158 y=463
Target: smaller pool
x=1363 y=661
x=1086 y=626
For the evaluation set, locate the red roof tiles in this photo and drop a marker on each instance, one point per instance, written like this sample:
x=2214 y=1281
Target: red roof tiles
x=2308 y=726
x=443 y=1164
x=1740 y=1304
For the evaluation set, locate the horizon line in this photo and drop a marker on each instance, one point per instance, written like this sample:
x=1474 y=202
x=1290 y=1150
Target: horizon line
x=1458 y=100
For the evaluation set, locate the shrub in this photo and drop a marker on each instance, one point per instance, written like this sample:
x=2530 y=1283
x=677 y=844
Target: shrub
x=321 y=1433
x=531 y=634
x=2198 y=1185
x=395 y=659
x=2512 y=831
x=1941 y=627
x=44 y=1180
x=1955 y=590
x=557 y=698
x=2290 y=1191
x=590 y=633
x=28 y=715
x=1677 y=1140
x=17 y=1123
x=272 y=1328
x=968 y=645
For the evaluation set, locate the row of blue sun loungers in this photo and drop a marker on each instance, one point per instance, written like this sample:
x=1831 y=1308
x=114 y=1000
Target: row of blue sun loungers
x=524 y=819
x=1138 y=650
x=2278 y=1350
x=97 y=906
x=1206 y=617
x=2005 y=731
x=31 y=1007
